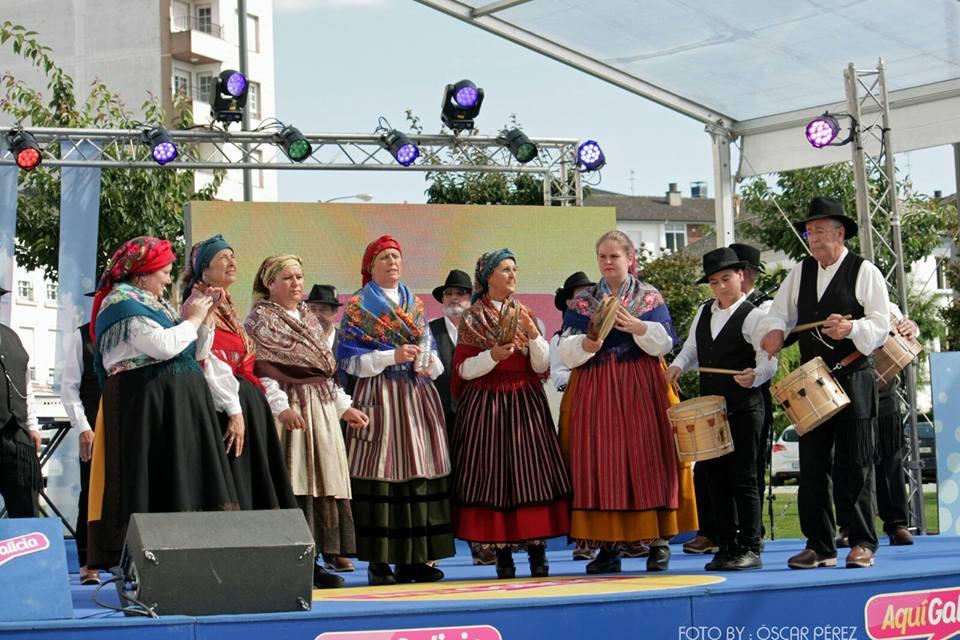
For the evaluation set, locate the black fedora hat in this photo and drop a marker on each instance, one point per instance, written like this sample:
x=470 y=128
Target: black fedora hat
x=827 y=208
x=564 y=293
x=455 y=279
x=750 y=255
x=718 y=260
x=323 y=294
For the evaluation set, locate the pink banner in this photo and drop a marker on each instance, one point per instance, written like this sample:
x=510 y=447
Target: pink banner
x=929 y=614
x=22 y=545
x=482 y=632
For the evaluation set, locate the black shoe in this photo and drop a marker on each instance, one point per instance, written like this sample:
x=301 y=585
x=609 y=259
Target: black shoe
x=380 y=574
x=418 y=573
x=608 y=561
x=659 y=558
x=539 y=565
x=743 y=560
x=720 y=558
x=505 y=567
x=324 y=580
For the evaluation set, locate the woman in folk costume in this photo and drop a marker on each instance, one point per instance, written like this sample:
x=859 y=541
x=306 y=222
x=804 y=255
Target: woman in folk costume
x=510 y=484
x=623 y=460
x=252 y=445
x=158 y=446
x=400 y=463
x=297 y=369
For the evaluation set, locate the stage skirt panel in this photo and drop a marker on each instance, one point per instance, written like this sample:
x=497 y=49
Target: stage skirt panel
x=158 y=449
x=260 y=473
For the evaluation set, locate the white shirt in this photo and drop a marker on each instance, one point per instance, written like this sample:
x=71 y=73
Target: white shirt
x=452 y=330
x=70 y=384
x=375 y=362
x=559 y=372
x=147 y=337
x=870 y=289
x=483 y=363
x=277 y=397
x=687 y=358
x=763 y=306
x=32 y=423
x=655 y=342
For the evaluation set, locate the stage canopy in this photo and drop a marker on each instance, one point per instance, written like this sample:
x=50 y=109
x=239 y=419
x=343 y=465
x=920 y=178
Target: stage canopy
x=758 y=70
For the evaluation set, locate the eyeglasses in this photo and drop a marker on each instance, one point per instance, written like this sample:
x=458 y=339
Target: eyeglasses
x=819 y=232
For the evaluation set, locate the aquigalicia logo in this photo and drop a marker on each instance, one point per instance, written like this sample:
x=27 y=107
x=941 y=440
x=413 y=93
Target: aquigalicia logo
x=933 y=614
x=22 y=545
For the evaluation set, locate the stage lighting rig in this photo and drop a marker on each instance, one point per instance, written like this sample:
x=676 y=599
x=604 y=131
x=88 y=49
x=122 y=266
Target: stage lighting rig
x=823 y=130
x=461 y=104
x=229 y=97
x=162 y=147
x=519 y=145
x=400 y=147
x=24 y=148
x=294 y=144
x=590 y=156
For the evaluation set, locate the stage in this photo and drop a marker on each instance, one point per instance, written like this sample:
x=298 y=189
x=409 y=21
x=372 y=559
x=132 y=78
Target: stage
x=686 y=603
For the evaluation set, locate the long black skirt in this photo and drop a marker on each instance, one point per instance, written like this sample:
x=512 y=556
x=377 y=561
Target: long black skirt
x=260 y=473
x=159 y=449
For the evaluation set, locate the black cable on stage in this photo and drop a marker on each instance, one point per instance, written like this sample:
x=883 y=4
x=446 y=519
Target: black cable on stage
x=139 y=608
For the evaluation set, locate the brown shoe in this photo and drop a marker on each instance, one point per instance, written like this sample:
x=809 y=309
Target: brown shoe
x=638 y=550
x=583 y=553
x=859 y=557
x=700 y=544
x=901 y=536
x=810 y=559
x=89 y=576
x=843 y=541
x=337 y=563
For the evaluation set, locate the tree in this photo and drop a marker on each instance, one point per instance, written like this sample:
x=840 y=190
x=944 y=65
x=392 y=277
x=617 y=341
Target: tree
x=133 y=202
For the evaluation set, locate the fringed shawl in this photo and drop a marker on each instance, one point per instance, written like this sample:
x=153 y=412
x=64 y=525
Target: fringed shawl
x=232 y=344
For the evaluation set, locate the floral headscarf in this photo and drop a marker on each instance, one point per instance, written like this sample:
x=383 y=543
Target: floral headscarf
x=373 y=250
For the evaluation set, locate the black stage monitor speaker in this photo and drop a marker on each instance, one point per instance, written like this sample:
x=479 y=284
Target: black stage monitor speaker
x=218 y=562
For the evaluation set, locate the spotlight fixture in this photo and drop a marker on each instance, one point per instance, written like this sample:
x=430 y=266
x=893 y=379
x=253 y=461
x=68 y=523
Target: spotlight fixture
x=590 y=157
x=461 y=104
x=294 y=144
x=162 y=147
x=229 y=97
x=400 y=147
x=519 y=145
x=822 y=130
x=24 y=148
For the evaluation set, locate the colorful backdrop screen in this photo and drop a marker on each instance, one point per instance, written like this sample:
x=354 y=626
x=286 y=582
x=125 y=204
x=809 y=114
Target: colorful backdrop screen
x=550 y=242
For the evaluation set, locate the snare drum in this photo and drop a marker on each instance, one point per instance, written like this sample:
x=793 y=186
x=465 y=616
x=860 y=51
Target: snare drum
x=700 y=428
x=809 y=395
x=894 y=356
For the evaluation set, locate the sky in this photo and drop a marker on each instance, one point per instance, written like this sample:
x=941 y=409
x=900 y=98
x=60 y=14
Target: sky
x=340 y=64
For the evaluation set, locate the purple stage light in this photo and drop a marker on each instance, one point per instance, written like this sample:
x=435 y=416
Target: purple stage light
x=466 y=97
x=164 y=152
x=407 y=154
x=590 y=156
x=236 y=84
x=822 y=131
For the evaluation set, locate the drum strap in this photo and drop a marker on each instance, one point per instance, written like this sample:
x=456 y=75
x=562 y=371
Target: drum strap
x=850 y=359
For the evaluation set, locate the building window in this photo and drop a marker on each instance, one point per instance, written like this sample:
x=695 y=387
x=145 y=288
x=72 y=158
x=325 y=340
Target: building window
x=253 y=100
x=51 y=292
x=205 y=18
x=25 y=290
x=181 y=83
x=675 y=236
x=205 y=82
x=253 y=33
x=257 y=156
x=33 y=374
x=50 y=376
x=942 y=273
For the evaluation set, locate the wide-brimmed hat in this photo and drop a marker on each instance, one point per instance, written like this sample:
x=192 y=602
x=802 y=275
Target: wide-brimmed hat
x=323 y=294
x=718 y=260
x=456 y=278
x=564 y=293
x=827 y=208
x=750 y=255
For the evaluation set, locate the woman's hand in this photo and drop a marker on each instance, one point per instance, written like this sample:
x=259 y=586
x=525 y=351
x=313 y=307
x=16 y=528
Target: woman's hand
x=591 y=346
x=501 y=352
x=672 y=374
x=234 y=435
x=86 y=445
x=746 y=378
x=196 y=307
x=291 y=420
x=528 y=325
x=406 y=353
x=355 y=418
x=628 y=324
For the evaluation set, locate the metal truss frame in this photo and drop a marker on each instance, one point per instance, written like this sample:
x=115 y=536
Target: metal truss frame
x=868 y=104
x=221 y=149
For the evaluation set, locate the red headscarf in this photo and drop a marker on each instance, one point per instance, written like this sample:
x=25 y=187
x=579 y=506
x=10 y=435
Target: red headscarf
x=138 y=256
x=373 y=250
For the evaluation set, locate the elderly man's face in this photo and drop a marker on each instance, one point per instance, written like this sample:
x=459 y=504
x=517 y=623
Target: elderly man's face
x=825 y=238
x=455 y=302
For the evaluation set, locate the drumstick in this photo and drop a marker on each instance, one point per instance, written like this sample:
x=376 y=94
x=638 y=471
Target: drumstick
x=812 y=325
x=732 y=372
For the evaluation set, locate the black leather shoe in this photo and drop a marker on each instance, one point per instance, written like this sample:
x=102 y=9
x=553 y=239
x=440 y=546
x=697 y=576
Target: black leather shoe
x=539 y=566
x=720 y=558
x=505 y=567
x=379 y=574
x=659 y=558
x=418 y=573
x=322 y=579
x=608 y=561
x=742 y=560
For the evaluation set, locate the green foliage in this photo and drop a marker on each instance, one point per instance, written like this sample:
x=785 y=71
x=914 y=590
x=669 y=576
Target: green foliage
x=133 y=202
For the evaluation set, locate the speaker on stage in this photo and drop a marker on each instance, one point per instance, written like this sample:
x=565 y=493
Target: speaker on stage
x=33 y=570
x=218 y=562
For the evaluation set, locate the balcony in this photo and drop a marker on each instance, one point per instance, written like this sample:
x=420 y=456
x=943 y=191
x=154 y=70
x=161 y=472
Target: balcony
x=198 y=41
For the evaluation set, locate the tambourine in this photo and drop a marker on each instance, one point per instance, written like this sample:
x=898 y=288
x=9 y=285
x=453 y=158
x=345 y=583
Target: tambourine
x=603 y=319
x=509 y=319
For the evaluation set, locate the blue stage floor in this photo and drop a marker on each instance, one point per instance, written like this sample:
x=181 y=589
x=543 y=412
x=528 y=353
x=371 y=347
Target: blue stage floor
x=686 y=603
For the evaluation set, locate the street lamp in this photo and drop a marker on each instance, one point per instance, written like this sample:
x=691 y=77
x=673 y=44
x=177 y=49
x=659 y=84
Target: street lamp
x=365 y=197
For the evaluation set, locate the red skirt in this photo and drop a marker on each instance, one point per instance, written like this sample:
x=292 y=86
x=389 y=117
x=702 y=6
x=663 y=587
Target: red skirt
x=479 y=524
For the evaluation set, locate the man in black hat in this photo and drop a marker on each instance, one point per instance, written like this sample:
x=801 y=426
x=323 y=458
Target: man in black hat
x=828 y=286
x=20 y=478
x=80 y=396
x=721 y=338
x=324 y=304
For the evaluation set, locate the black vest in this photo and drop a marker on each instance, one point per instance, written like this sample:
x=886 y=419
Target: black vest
x=14 y=364
x=727 y=351
x=839 y=297
x=445 y=348
x=89 y=384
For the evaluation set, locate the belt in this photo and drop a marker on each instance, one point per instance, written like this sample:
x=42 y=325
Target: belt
x=850 y=359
